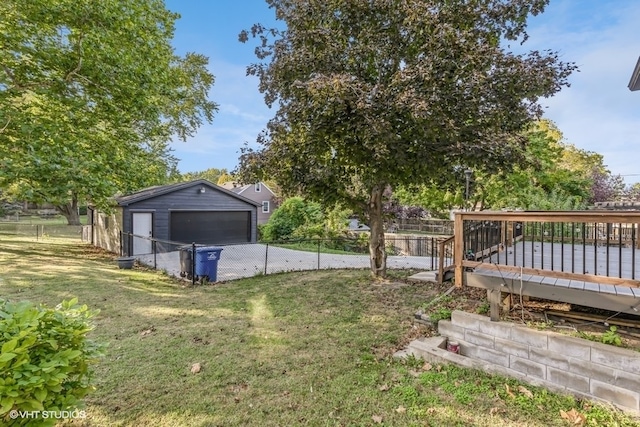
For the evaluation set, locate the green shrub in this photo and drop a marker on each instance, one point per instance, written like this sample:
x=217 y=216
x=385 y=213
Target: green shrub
x=294 y=214
x=441 y=313
x=45 y=359
x=612 y=337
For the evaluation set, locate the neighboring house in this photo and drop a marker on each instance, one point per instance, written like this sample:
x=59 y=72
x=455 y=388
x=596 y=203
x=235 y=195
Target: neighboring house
x=259 y=193
x=188 y=212
x=634 y=83
x=355 y=225
x=620 y=206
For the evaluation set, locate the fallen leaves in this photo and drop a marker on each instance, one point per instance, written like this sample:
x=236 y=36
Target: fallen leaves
x=377 y=419
x=525 y=391
x=521 y=389
x=196 y=368
x=148 y=331
x=574 y=417
x=509 y=392
x=495 y=411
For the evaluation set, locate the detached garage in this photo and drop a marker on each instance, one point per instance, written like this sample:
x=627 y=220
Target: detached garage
x=196 y=211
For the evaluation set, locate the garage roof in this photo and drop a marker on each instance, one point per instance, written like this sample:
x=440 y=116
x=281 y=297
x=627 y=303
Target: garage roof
x=634 y=83
x=151 y=192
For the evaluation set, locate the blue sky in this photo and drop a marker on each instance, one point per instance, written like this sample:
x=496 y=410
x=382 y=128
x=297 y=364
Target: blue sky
x=597 y=113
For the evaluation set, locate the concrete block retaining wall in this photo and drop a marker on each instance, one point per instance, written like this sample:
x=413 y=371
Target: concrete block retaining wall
x=580 y=367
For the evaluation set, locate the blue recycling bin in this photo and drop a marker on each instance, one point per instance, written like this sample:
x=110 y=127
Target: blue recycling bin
x=207 y=262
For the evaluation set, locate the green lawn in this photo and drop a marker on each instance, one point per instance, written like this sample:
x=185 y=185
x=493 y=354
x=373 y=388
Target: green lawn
x=35 y=219
x=37 y=227
x=310 y=246
x=311 y=348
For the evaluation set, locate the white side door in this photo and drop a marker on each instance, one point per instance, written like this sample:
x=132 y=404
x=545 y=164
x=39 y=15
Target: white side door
x=142 y=226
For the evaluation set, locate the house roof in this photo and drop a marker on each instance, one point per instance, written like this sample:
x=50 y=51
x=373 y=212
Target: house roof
x=232 y=186
x=634 y=83
x=151 y=192
x=239 y=189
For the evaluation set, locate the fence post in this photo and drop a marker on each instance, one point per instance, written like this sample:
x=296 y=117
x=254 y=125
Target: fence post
x=433 y=252
x=266 y=258
x=37 y=231
x=154 y=246
x=193 y=263
x=318 y=254
x=121 y=243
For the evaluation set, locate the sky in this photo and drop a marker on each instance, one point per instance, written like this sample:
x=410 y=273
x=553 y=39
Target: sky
x=596 y=113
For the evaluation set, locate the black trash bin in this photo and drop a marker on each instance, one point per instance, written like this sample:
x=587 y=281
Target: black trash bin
x=186 y=261
x=207 y=262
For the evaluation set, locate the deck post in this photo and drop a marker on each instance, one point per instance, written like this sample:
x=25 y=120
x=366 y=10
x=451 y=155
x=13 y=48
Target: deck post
x=458 y=248
x=507 y=233
x=494 y=296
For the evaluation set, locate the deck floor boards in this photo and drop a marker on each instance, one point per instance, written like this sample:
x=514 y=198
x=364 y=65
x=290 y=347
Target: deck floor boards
x=586 y=259
x=576 y=284
x=611 y=261
x=590 y=286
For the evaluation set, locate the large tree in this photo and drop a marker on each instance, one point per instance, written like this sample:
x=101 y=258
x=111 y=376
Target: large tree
x=552 y=175
x=550 y=178
x=91 y=93
x=371 y=94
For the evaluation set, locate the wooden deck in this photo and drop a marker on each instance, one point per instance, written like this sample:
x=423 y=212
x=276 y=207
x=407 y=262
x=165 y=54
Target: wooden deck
x=622 y=299
x=584 y=258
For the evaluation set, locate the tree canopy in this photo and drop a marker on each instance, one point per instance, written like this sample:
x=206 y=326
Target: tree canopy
x=213 y=175
x=550 y=178
x=91 y=93
x=554 y=175
x=376 y=94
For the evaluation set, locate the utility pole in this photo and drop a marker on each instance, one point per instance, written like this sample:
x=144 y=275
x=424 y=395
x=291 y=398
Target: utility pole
x=467 y=175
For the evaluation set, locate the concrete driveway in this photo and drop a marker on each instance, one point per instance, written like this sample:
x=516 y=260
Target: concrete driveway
x=238 y=261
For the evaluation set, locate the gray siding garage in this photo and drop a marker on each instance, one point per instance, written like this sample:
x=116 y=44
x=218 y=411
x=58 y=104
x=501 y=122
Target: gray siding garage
x=196 y=211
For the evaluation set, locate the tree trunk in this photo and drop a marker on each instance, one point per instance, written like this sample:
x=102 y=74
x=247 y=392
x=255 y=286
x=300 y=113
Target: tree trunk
x=70 y=211
x=377 y=254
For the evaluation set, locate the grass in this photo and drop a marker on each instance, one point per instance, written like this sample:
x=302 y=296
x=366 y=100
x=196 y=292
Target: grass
x=36 y=219
x=313 y=247
x=310 y=348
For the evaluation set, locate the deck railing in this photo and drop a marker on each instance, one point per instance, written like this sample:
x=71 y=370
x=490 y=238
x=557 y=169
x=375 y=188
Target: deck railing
x=599 y=246
x=446 y=261
x=427 y=226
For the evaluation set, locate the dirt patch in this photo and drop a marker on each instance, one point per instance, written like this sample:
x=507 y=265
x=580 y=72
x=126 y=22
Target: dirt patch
x=597 y=325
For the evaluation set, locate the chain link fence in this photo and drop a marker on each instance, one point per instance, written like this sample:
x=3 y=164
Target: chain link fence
x=420 y=225
x=253 y=259
x=41 y=231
